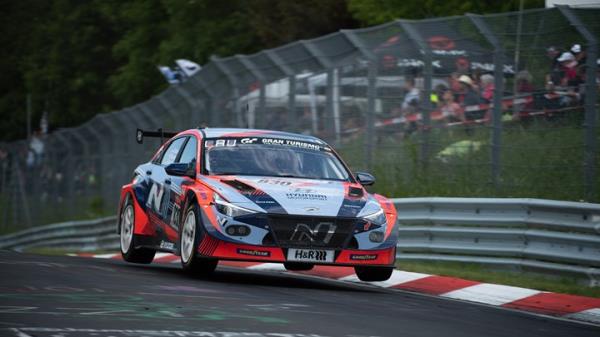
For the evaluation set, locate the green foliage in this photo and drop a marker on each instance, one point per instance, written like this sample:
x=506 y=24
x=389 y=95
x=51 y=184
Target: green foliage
x=374 y=12
x=78 y=58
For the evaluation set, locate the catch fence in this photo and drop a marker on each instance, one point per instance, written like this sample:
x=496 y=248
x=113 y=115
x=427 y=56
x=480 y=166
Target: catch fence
x=473 y=106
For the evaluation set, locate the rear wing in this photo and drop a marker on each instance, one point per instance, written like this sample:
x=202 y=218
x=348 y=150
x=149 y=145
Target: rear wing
x=160 y=133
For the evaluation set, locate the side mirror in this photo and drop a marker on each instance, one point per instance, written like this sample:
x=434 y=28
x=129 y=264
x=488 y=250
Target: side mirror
x=181 y=169
x=365 y=179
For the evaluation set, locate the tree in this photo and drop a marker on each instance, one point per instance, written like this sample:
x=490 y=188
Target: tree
x=374 y=12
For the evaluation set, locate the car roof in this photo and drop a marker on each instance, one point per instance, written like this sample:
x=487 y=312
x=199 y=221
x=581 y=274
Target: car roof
x=235 y=132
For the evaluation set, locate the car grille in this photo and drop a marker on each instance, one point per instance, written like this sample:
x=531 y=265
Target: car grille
x=311 y=232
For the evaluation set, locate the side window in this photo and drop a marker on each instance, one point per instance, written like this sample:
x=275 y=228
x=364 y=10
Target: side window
x=172 y=151
x=189 y=151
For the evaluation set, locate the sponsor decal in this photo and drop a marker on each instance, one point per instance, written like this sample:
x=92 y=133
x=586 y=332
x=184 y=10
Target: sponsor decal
x=249 y=140
x=440 y=42
x=275 y=182
x=167 y=245
x=219 y=142
x=289 y=142
x=175 y=214
x=363 y=257
x=155 y=198
x=322 y=233
x=305 y=196
x=318 y=255
x=253 y=252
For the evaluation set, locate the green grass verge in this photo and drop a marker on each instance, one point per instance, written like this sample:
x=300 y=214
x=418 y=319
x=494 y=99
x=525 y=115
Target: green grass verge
x=482 y=273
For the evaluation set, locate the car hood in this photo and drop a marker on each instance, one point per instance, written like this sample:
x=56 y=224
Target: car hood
x=294 y=195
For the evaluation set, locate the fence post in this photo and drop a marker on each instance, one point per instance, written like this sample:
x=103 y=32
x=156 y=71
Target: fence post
x=497 y=100
x=192 y=103
x=262 y=79
x=327 y=66
x=214 y=117
x=416 y=37
x=591 y=94
x=371 y=96
x=357 y=42
x=234 y=84
x=289 y=72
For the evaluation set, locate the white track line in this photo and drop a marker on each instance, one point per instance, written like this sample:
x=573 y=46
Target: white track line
x=494 y=294
x=590 y=315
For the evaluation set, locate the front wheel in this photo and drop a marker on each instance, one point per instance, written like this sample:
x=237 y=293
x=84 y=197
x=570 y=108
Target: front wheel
x=189 y=239
x=127 y=237
x=372 y=274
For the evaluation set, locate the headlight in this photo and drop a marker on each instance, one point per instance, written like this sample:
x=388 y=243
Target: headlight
x=229 y=209
x=377 y=218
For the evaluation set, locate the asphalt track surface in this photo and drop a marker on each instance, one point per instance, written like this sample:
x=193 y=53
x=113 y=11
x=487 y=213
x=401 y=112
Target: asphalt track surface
x=61 y=296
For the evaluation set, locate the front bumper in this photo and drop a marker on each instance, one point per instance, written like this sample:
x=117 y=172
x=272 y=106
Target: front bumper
x=222 y=250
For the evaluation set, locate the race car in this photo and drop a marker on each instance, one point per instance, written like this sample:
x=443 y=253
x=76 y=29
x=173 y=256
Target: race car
x=211 y=194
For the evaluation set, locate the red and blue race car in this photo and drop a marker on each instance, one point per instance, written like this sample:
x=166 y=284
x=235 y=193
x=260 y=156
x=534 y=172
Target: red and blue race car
x=213 y=194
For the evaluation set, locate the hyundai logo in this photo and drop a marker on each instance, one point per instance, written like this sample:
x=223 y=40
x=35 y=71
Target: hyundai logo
x=311 y=209
x=322 y=233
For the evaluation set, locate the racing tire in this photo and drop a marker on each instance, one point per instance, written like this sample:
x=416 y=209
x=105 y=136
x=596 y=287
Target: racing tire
x=189 y=238
x=372 y=274
x=129 y=251
x=298 y=266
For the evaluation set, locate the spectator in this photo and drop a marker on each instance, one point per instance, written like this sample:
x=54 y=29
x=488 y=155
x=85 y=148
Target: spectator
x=580 y=55
x=412 y=96
x=555 y=69
x=524 y=80
x=470 y=95
x=470 y=98
x=437 y=95
x=568 y=67
x=451 y=110
x=524 y=86
x=487 y=87
x=36 y=145
x=455 y=85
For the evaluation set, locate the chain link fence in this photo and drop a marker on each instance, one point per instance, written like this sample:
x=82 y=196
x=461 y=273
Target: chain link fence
x=474 y=105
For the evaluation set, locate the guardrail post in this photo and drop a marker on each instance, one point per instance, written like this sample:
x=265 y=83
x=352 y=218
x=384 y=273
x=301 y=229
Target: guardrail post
x=416 y=37
x=498 y=93
x=591 y=95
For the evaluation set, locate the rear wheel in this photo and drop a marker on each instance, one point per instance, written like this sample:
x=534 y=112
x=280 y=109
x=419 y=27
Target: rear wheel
x=189 y=239
x=127 y=237
x=298 y=266
x=372 y=274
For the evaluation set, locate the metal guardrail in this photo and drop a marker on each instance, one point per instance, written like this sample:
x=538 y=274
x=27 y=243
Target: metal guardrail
x=532 y=234
x=84 y=236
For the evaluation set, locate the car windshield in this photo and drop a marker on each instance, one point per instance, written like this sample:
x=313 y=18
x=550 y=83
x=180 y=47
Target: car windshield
x=272 y=157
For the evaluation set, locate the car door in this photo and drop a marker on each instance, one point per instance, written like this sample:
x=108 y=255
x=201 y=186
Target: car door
x=174 y=184
x=159 y=198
